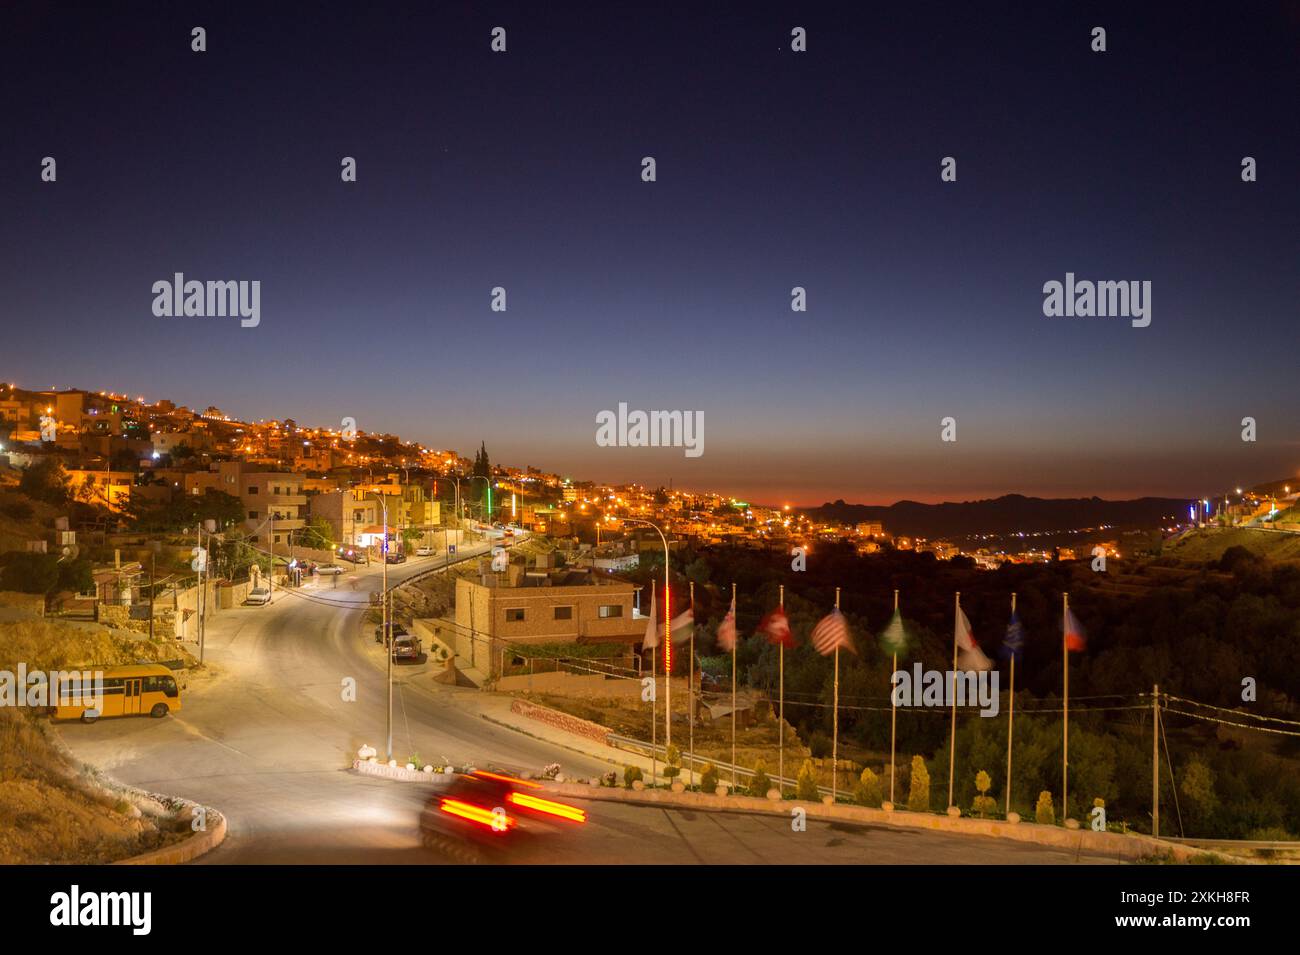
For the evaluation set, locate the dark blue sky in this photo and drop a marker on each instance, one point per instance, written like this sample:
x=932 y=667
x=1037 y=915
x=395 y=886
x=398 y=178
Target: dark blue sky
x=775 y=169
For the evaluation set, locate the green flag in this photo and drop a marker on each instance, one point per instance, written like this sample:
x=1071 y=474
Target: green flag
x=893 y=639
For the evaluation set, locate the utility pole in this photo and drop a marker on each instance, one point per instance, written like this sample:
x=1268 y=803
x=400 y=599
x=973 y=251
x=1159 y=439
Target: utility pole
x=1155 y=761
x=151 y=589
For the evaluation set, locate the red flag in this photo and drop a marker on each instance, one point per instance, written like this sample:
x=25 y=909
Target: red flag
x=1076 y=640
x=727 y=631
x=776 y=626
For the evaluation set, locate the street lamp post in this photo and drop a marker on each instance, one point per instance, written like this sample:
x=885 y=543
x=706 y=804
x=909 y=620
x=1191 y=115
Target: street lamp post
x=668 y=677
x=383 y=623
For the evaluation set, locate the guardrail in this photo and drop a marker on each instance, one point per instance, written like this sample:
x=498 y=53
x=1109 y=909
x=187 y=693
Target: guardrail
x=693 y=763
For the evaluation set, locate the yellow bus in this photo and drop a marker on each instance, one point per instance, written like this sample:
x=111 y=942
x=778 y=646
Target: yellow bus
x=146 y=688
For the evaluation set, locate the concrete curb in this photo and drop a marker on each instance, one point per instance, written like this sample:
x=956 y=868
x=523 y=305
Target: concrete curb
x=400 y=773
x=188 y=850
x=1125 y=848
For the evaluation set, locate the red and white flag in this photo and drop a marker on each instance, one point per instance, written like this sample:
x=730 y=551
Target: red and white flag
x=831 y=634
x=776 y=626
x=727 y=630
x=971 y=656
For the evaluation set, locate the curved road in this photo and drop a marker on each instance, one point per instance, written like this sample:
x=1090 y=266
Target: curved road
x=266 y=737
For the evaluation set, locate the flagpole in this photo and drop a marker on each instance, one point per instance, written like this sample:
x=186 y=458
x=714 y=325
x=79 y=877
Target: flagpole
x=1011 y=709
x=690 y=690
x=952 y=741
x=780 y=722
x=654 y=697
x=835 y=723
x=668 y=662
x=893 y=717
x=1065 y=726
x=734 y=646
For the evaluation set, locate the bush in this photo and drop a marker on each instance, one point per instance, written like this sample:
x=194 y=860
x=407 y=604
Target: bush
x=868 y=791
x=918 y=796
x=984 y=804
x=819 y=746
x=414 y=760
x=806 y=787
x=630 y=775
x=759 y=784
x=1045 y=812
x=673 y=762
x=762 y=711
x=709 y=778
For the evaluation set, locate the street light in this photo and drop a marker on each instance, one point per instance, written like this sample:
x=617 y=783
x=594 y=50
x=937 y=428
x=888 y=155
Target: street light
x=668 y=681
x=383 y=621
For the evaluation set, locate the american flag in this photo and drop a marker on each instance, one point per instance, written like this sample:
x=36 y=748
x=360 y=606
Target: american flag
x=727 y=632
x=831 y=633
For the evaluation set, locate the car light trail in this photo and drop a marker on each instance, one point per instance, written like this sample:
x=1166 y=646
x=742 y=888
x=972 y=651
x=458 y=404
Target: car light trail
x=485 y=817
x=548 y=807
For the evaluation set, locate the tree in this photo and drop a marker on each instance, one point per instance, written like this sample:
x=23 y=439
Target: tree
x=318 y=533
x=482 y=466
x=984 y=804
x=1045 y=812
x=759 y=783
x=918 y=796
x=709 y=778
x=868 y=789
x=1200 y=801
x=673 y=758
x=45 y=480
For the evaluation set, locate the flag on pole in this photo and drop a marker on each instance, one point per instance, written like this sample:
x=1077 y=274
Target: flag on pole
x=972 y=657
x=651 y=632
x=1013 y=644
x=893 y=639
x=831 y=634
x=683 y=625
x=727 y=631
x=1076 y=640
x=776 y=627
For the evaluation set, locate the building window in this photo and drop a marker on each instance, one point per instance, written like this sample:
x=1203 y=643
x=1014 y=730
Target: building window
x=563 y=613
x=514 y=614
x=252 y=515
x=252 y=489
x=611 y=610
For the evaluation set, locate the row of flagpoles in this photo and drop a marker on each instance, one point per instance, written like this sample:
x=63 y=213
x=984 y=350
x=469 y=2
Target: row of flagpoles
x=828 y=637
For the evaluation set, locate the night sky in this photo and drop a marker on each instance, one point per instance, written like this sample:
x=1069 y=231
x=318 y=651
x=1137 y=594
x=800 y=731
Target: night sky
x=775 y=169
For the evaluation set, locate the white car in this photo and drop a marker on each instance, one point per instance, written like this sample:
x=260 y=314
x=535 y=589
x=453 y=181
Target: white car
x=329 y=570
x=258 y=596
x=424 y=552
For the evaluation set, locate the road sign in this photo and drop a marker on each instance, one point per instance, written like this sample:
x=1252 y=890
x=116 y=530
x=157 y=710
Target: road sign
x=451 y=548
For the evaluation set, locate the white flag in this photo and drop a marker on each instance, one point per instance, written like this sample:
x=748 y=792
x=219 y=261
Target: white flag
x=651 y=632
x=971 y=656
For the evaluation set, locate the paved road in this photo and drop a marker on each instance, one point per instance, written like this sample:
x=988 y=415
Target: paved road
x=266 y=737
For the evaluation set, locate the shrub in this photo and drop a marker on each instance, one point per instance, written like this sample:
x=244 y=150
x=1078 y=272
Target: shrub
x=414 y=760
x=868 y=791
x=673 y=762
x=609 y=779
x=806 y=787
x=1045 y=812
x=918 y=796
x=984 y=804
x=759 y=784
x=819 y=745
x=762 y=711
x=630 y=775
x=709 y=778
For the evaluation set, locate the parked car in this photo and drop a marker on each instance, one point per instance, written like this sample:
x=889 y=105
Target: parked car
x=329 y=570
x=396 y=630
x=258 y=596
x=406 y=647
x=425 y=552
x=395 y=557
x=355 y=555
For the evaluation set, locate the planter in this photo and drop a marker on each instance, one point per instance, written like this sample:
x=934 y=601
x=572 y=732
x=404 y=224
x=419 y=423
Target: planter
x=774 y=794
x=679 y=787
x=828 y=800
x=638 y=785
x=1013 y=817
x=887 y=806
x=954 y=811
x=720 y=791
x=1072 y=823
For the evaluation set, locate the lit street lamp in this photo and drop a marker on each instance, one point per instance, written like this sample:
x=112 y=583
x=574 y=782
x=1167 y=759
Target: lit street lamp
x=383 y=622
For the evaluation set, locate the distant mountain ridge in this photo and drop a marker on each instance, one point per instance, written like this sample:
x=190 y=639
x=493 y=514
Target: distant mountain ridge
x=1009 y=514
